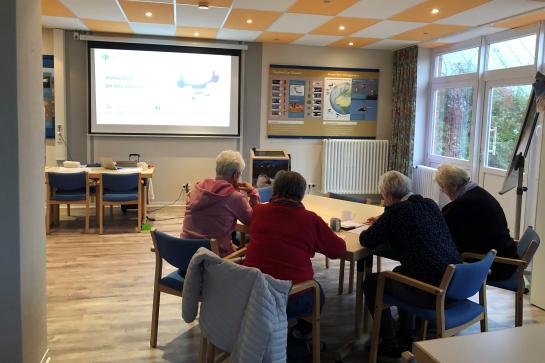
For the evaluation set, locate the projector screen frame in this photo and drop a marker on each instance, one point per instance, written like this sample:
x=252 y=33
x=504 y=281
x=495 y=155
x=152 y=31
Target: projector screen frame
x=169 y=49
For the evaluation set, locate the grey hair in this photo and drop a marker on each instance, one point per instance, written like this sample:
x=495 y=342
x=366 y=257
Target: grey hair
x=289 y=184
x=451 y=175
x=227 y=163
x=394 y=183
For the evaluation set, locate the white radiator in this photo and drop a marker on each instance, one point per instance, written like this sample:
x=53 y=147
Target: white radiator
x=353 y=166
x=425 y=185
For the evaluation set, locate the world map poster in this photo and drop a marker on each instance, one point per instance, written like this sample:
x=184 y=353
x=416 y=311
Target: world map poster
x=322 y=102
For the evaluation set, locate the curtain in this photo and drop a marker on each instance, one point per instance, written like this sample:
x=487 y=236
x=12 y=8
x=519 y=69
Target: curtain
x=403 y=109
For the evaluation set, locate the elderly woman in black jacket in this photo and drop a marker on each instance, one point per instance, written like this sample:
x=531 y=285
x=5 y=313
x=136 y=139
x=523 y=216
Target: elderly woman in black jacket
x=475 y=219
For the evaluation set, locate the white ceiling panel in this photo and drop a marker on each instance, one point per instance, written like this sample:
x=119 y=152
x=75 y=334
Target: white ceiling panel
x=317 y=40
x=234 y=34
x=389 y=44
x=97 y=9
x=298 y=23
x=387 y=29
x=273 y=5
x=63 y=23
x=491 y=11
x=379 y=9
x=153 y=29
x=192 y=16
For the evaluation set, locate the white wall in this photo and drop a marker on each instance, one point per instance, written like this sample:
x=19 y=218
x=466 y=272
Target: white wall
x=47 y=48
x=307 y=154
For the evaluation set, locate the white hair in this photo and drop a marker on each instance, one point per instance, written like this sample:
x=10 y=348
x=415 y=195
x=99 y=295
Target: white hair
x=394 y=183
x=451 y=175
x=227 y=163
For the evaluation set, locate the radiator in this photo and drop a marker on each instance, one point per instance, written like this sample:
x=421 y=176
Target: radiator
x=353 y=166
x=425 y=185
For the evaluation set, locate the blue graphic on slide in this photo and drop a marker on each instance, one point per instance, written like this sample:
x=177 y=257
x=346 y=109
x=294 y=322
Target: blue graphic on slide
x=198 y=86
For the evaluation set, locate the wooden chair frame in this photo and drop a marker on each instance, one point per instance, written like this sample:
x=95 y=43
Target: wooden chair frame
x=158 y=288
x=53 y=206
x=521 y=264
x=407 y=357
x=207 y=351
x=440 y=295
x=102 y=203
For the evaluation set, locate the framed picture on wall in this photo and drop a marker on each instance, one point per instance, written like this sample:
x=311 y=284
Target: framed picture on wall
x=49 y=96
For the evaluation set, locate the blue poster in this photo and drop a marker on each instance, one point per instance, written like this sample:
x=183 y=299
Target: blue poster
x=49 y=97
x=296 y=99
x=364 y=99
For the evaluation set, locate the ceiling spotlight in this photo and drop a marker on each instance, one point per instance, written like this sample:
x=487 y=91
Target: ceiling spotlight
x=341 y=27
x=350 y=43
x=203 y=5
x=249 y=21
x=196 y=34
x=435 y=11
x=149 y=14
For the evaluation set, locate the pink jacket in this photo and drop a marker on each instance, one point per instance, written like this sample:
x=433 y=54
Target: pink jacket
x=213 y=209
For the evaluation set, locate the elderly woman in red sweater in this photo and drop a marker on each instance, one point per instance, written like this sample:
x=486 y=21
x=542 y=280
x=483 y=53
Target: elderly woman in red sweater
x=284 y=238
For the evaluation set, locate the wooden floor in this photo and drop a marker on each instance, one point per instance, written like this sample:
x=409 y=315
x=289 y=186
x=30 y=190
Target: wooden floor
x=99 y=292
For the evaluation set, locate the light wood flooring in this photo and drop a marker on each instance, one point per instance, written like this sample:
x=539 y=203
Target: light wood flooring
x=99 y=290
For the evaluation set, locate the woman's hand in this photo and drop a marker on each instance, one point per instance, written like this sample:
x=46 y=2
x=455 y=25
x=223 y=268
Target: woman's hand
x=247 y=187
x=371 y=220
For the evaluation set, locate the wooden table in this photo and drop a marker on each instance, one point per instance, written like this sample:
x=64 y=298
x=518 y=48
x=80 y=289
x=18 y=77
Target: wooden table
x=95 y=172
x=524 y=344
x=328 y=208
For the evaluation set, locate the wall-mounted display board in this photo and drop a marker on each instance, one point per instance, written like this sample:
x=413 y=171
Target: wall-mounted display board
x=322 y=102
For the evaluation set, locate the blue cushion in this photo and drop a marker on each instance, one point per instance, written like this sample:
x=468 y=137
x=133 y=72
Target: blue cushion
x=509 y=284
x=174 y=280
x=265 y=194
x=455 y=315
x=69 y=195
x=349 y=197
x=120 y=197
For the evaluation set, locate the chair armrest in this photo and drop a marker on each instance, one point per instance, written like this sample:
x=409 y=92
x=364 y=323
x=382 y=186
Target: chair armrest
x=236 y=254
x=411 y=282
x=302 y=286
x=504 y=260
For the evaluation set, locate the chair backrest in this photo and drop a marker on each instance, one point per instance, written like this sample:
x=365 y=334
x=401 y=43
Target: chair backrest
x=120 y=182
x=67 y=181
x=468 y=278
x=265 y=194
x=177 y=251
x=348 y=197
x=529 y=235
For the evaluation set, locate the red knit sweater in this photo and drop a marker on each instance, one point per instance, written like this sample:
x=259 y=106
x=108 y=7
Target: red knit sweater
x=283 y=238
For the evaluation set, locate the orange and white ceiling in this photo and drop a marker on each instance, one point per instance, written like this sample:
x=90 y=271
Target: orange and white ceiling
x=374 y=24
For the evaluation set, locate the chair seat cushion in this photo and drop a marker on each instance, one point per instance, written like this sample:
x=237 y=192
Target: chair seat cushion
x=69 y=195
x=509 y=284
x=120 y=197
x=456 y=313
x=174 y=280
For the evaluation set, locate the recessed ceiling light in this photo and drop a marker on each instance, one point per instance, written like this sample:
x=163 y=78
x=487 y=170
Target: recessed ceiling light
x=249 y=21
x=203 y=5
x=350 y=43
x=196 y=34
x=149 y=14
x=435 y=11
x=341 y=27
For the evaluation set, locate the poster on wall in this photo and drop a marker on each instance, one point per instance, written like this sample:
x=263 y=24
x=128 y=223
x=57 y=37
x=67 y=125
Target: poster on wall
x=49 y=96
x=322 y=102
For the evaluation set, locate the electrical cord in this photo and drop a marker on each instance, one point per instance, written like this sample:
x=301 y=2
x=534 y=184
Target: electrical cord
x=185 y=188
x=65 y=144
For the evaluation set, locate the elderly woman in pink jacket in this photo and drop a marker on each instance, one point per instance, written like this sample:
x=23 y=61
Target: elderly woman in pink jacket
x=215 y=205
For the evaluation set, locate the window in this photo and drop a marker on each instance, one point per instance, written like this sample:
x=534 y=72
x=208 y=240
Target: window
x=512 y=53
x=507 y=110
x=459 y=62
x=452 y=122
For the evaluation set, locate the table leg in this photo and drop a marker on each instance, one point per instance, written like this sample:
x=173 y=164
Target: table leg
x=341 y=276
x=359 y=303
x=145 y=203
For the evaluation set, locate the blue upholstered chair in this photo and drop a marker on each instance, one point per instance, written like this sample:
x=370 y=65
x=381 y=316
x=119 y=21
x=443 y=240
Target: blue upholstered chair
x=119 y=189
x=459 y=283
x=177 y=252
x=265 y=194
x=526 y=249
x=66 y=188
x=407 y=357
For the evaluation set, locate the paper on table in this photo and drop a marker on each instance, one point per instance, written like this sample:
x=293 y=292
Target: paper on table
x=350 y=224
x=358 y=230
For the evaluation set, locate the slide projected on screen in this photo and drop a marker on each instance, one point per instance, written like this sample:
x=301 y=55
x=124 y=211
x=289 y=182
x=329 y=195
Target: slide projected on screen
x=163 y=92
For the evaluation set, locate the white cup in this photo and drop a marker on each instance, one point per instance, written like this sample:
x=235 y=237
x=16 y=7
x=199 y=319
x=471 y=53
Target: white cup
x=346 y=215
